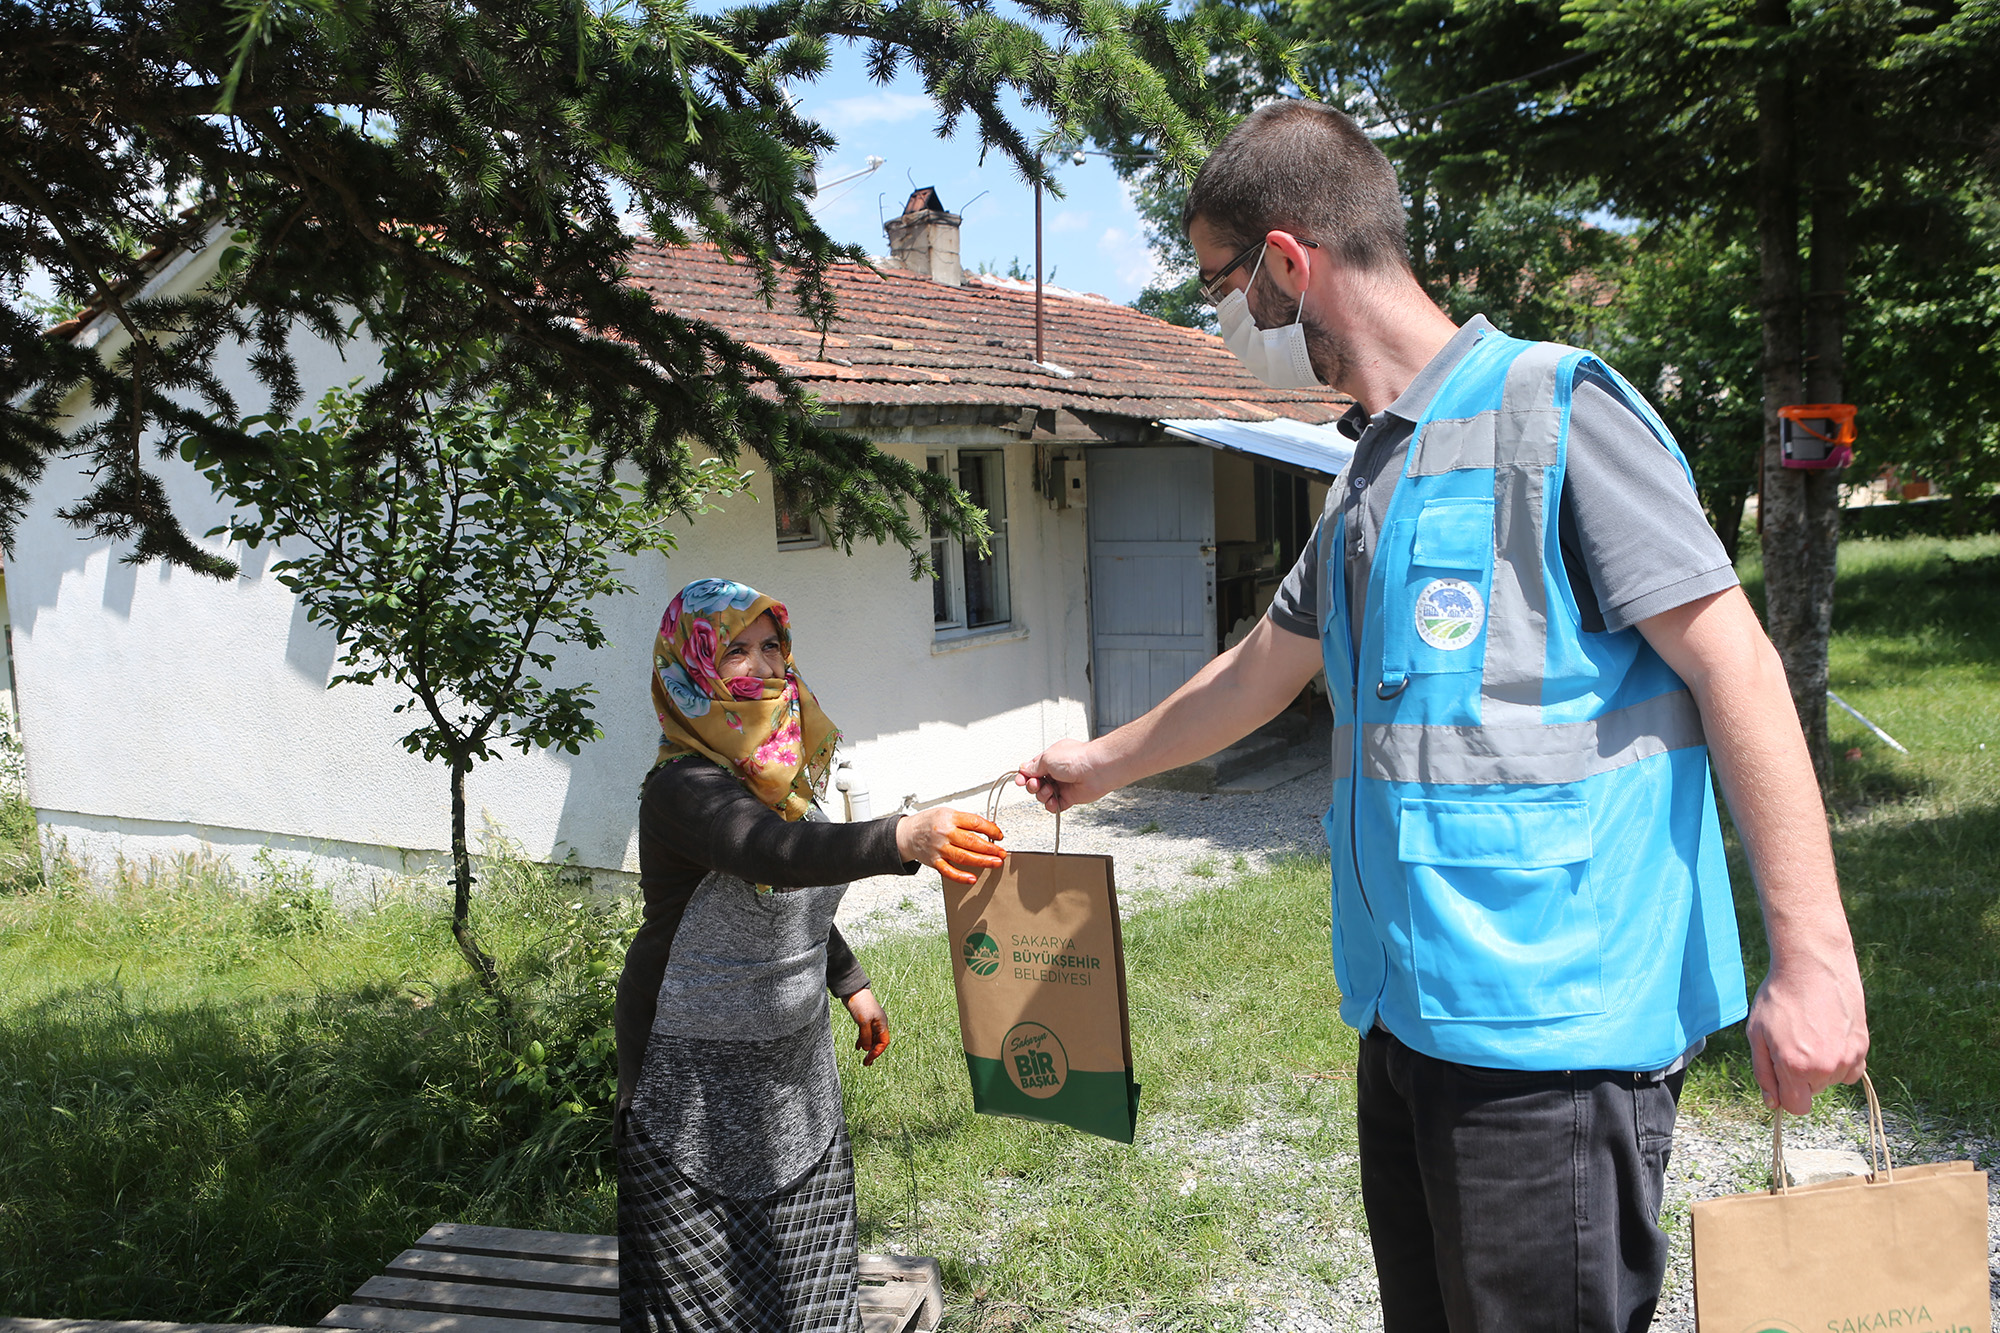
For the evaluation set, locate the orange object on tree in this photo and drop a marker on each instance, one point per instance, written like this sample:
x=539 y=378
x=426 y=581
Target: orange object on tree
x=1817 y=435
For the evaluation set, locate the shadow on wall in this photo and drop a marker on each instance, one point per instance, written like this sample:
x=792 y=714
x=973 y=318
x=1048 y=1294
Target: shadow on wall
x=121 y=580
x=310 y=649
x=600 y=810
x=47 y=549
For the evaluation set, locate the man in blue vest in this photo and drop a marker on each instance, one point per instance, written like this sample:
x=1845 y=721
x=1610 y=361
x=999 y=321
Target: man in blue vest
x=1535 y=649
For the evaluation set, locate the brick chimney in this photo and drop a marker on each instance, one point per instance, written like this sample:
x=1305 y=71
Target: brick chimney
x=924 y=239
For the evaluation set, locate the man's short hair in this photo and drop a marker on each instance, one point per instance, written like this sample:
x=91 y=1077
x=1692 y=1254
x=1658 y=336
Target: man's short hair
x=1303 y=167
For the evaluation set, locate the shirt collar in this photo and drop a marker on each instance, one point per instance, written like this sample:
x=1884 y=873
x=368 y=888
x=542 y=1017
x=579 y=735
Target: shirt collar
x=1410 y=404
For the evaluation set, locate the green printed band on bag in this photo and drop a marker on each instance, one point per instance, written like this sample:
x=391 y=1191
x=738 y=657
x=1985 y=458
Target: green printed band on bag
x=1100 y=1102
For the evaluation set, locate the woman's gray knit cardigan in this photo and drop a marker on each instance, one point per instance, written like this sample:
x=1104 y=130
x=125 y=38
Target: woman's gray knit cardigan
x=722 y=1009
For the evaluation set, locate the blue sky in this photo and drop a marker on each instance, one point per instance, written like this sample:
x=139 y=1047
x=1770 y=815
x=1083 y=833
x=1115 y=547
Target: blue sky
x=1092 y=239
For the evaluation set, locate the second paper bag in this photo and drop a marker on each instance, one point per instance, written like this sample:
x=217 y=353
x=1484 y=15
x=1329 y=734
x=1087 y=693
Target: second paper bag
x=1904 y=1248
x=1039 y=965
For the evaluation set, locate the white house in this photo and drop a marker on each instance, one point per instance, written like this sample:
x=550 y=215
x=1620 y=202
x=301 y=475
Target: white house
x=1145 y=496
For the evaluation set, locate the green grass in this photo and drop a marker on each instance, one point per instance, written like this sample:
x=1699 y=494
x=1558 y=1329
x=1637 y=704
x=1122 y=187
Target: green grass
x=226 y=1101
x=230 y=1106
x=1916 y=647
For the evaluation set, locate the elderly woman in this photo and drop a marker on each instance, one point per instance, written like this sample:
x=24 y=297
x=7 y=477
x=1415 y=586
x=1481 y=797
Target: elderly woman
x=735 y=1181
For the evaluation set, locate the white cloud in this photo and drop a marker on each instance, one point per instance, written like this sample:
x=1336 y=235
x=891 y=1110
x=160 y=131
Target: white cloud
x=1069 y=220
x=879 y=108
x=1132 y=259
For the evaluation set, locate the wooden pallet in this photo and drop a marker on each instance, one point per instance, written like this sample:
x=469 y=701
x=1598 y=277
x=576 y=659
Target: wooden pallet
x=467 y=1279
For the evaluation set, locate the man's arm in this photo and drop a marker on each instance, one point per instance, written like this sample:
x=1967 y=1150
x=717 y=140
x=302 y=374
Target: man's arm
x=1808 y=1027
x=1239 y=691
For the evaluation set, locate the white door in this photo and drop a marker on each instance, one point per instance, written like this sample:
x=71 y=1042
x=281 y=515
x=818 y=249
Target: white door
x=1152 y=575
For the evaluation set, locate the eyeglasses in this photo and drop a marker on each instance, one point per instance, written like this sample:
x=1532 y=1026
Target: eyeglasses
x=1212 y=289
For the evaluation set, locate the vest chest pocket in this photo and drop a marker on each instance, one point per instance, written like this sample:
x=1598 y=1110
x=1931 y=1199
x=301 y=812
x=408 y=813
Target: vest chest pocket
x=1435 y=613
x=1503 y=921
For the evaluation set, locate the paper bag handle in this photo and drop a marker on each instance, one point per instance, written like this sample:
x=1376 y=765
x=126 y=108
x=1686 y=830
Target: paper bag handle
x=1878 y=1143
x=993 y=803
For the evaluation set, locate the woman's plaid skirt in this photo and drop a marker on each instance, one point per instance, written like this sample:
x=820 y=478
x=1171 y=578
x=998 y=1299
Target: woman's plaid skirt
x=693 y=1261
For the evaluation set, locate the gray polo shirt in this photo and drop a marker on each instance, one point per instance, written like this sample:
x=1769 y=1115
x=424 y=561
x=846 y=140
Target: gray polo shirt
x=1635 y=541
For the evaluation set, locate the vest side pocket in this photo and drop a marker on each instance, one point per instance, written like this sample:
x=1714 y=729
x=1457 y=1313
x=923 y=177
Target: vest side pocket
x=1503 y=922
x=1434 y=614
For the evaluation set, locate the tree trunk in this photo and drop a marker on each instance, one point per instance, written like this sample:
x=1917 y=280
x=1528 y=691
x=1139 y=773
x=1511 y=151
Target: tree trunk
x=482 y=963
x=1797 y=612
x=1726 y=511
x=1826 y=376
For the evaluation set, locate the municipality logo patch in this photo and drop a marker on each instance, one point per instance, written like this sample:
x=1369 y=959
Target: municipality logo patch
x=1450 y=613
x=982 y=954
x=1035 y=1059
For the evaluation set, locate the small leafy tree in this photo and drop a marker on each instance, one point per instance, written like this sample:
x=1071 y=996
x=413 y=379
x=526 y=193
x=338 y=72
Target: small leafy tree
x=452 y=563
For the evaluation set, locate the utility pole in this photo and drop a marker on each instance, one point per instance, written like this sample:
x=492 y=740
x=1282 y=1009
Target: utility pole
x=1039 y=356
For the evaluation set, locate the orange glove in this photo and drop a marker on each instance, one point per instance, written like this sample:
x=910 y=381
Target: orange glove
x=949 y=840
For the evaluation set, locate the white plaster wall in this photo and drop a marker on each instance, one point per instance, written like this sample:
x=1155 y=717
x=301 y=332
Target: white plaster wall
x=918 y=721
x=165 y=713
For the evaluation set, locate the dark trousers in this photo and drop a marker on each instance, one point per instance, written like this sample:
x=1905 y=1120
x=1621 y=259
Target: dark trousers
x=1500 y=1201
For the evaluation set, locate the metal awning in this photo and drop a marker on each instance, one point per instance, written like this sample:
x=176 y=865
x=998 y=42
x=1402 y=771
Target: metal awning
x=1319 y=452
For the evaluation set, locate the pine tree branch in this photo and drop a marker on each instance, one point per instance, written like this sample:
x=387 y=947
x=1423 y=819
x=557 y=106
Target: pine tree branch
x=107 y=295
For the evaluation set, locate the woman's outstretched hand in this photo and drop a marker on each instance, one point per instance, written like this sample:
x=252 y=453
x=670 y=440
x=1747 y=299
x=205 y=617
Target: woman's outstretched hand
x=953 y=842
x=872 y=1025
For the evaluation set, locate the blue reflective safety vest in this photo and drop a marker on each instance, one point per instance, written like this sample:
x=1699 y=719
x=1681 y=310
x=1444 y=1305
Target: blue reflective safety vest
x=1527 y=866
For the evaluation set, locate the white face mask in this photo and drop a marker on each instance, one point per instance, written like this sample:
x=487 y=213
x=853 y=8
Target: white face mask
x=1276 y=356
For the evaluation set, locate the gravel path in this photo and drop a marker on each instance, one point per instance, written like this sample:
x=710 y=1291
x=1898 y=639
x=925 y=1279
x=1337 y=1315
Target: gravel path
x=1169 y=844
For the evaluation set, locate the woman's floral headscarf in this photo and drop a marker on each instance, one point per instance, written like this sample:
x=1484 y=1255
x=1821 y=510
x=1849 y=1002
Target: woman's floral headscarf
x=770 y=732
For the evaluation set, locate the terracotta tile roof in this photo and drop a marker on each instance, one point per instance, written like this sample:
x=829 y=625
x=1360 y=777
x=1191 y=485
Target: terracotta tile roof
x=903 y=339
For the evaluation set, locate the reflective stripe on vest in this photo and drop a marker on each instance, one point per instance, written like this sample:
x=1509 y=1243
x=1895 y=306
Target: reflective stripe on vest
x=1543 y=755
x=1528 y=870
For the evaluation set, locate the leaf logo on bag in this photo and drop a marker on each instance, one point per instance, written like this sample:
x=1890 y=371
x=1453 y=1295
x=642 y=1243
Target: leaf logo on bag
x=1035 y=1060
x=982 y=954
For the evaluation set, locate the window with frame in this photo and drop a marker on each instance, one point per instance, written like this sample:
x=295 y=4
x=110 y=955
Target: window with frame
x=970 y=591
x=1284 y=519
x=798 y=530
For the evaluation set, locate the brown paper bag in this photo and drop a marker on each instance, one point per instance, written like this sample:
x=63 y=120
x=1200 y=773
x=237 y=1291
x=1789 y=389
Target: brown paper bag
x=1040 y=969
x=1901 y=1248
